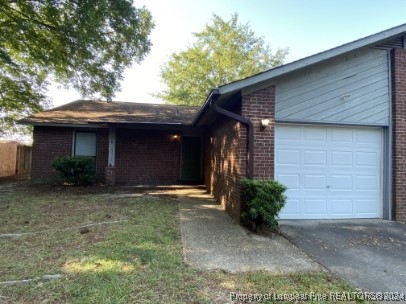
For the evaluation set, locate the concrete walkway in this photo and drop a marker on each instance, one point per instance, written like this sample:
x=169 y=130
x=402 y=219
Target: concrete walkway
x=212 y=240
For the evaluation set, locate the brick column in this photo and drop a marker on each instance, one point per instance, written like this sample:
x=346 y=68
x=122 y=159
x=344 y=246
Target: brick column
x=256 y=106
x=398 y=63
x=110 y=176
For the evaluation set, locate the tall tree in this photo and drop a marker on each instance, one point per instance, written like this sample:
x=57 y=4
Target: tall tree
x=84 y=44
x=223 y=52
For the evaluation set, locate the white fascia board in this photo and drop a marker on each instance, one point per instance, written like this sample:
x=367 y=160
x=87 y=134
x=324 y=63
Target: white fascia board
x=301 y=63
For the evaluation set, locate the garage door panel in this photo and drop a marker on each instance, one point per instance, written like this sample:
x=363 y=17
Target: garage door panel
x=365 y=182
x=315 y=158
x=367 y=159
x=291 y=181
x=292 y=207
x=287 y=133
x=315 y=207
x=330 y=172
x=341 y=158
x=341 y=135
x=315 y=134
x=314 y=182
x=366 y=207
x=341 y=182
x=367 y=137
x=288 y=157
x=340 y=207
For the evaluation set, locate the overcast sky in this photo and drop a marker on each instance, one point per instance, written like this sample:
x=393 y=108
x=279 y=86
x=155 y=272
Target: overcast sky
x=306 y=27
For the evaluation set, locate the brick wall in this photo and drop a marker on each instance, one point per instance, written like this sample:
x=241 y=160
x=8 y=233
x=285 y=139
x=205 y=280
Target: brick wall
x=49 y=143
x=143 y=157
x=222 y=164
x=256 y=106
x=147 y=157
x=226 y=149
x=398 y=62
x=102 y=153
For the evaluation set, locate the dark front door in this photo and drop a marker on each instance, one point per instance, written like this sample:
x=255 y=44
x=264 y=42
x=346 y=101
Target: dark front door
x=191 y=168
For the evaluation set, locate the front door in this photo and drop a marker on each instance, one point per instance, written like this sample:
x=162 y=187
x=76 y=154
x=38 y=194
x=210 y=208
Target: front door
x=191 y=168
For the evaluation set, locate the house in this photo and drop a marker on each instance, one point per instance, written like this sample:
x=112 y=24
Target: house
x=330 y=127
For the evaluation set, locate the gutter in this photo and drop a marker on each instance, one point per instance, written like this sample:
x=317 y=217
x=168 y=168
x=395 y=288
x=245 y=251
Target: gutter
x=246 y=121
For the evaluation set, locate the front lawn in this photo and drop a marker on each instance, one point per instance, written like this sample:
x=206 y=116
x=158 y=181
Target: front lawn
x=134 y=255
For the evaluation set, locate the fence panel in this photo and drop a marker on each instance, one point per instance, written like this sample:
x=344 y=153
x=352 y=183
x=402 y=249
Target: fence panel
x=8 y=154
x=23 y=164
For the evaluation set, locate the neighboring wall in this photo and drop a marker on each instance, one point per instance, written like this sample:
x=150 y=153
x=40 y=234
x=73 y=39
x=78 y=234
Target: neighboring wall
x=352 y=88
x=223 y=164
x=147 y=157
x=399 y=133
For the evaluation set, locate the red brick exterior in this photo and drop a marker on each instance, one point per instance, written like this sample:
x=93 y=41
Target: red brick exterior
x=223 y=164
x=49 y=143
x=111 y=176
x=102 y=150
x=257 y=106
x=147 y=157
x=399 y=133
x=142 y=157
x=226 y=150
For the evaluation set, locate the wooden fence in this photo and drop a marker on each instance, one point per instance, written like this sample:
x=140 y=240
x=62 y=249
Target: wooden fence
x=14 y=158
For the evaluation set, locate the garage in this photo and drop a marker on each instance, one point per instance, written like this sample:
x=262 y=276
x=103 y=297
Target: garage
x=331 y=172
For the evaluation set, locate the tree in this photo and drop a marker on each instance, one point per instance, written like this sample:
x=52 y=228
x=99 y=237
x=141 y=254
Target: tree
x=84 y=44
x=223 y=52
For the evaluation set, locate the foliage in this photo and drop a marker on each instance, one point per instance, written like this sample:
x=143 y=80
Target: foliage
x=12 y=131
x=81 y=44
x=78 y=170
x=224 y=51
x=264 y=199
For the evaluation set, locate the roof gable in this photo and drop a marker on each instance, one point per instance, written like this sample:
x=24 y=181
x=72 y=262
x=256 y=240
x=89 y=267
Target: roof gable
x=380 y=40
x=371 y=40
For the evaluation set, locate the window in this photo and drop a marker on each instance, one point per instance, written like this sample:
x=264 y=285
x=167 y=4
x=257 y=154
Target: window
x=85 y=144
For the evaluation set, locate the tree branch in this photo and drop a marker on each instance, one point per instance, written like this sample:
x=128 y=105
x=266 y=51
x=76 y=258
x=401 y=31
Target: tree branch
x=26 y=18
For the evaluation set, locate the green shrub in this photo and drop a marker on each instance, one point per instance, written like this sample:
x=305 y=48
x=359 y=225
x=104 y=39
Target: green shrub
x=77 y=170
x=264 y=199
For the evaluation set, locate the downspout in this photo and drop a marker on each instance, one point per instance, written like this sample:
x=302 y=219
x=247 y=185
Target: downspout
x=246 y=121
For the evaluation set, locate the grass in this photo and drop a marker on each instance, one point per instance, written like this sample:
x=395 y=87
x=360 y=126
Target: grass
x=136 y=260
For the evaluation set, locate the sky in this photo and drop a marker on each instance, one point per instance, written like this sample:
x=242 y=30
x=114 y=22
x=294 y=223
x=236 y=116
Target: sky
x=306 y=27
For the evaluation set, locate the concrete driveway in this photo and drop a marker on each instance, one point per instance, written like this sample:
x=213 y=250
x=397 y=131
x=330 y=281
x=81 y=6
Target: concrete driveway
x=371 y=254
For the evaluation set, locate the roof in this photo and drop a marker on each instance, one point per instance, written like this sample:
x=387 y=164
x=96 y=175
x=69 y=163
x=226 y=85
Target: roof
x=257 y=79
x=82 y=112
x=96 y=112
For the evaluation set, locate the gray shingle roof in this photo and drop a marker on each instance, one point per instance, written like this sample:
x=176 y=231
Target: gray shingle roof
x=90 y=111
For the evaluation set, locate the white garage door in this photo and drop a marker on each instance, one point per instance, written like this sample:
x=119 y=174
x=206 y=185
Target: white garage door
x=330 y=172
